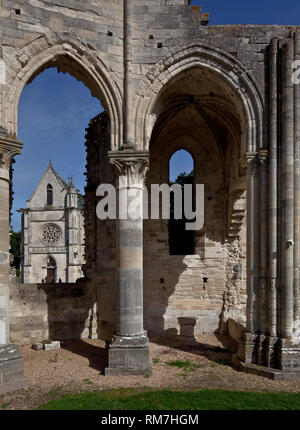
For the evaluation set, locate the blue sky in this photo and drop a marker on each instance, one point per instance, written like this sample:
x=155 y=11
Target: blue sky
x=251 y=12
x=54 y=111
x=55 y=108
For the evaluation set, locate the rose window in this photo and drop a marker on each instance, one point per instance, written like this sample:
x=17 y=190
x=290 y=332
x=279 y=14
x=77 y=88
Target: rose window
x=50 y=234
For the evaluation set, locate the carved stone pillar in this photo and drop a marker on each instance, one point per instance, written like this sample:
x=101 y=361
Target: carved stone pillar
x=274 y=214
x=289 y=344
x=297 y=197
x=263 y=260
x=11 y=361
x=129 y=349
x=247 y=348
x=288 y=193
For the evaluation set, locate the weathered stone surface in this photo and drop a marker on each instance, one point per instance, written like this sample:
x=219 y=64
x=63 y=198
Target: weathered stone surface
x=129 y=356
x=11 y=370
x=37 y=346
x=235 y=329
x=50 y=346
x=40 y=311
x=168 y=81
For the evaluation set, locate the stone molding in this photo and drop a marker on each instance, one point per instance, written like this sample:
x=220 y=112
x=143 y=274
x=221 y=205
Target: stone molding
x=263 y=156
x=249 y=163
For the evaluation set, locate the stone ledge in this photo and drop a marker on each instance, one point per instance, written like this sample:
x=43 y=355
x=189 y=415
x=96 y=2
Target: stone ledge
x=266 y=372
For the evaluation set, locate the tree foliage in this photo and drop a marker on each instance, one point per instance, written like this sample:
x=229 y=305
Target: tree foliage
x=15 y=248
x=184 y=178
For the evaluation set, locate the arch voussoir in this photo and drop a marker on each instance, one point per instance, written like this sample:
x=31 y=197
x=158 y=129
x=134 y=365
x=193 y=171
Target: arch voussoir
x=225 y=65
x=69 y=53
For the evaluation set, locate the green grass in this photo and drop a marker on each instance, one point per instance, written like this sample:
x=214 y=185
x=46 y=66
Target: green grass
x=185 y=365
x=129 y=399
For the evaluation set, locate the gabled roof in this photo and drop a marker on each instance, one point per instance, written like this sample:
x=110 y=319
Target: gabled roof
x=61 y=181
x=64 y=184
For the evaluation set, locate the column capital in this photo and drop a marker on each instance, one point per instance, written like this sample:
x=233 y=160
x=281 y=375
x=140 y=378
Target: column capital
x=9 y=148
x=263 y=156
x=249 y=163
x=131 y=164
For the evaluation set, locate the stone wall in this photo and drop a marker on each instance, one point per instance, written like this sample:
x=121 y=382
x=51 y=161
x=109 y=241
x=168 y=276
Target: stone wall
x=100 y=236
x=49 y=311
x=209 y=285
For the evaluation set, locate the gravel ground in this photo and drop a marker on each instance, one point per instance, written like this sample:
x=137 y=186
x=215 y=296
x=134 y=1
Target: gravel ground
x=78 y=367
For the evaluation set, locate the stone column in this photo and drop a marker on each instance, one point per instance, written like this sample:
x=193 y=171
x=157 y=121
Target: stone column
x=297 y=197
x=262 y=294
x=289 y=344
x=129 y=349
x=274 y=212
x=247 y=348
x=288 y=192
x=11 y=361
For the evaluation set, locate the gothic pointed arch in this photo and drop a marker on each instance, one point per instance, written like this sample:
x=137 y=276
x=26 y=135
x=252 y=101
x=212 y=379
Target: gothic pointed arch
x=233 y=73
x=70 y=54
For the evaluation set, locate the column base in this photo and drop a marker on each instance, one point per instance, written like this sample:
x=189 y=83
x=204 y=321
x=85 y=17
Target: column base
x=271 y=352
x=261 y=349
x=289 y=355
x=11 y=370
x=266 y=372
x=129 y=356
x=269 y=357
x=247 y=350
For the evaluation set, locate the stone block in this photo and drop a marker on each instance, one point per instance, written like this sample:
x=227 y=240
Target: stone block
x=11 y=370
x=50 y=346
x=235 y=329
x=129 y=356
x=37 y=346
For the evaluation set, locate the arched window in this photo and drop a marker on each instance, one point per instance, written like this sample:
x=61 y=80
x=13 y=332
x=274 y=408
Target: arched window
x=49 y=195
x=181 y=241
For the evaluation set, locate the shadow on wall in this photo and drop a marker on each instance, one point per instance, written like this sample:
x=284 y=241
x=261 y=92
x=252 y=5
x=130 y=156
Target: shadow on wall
x=100 y=266
x=71 y=320
x=174 y=285
x=55 y=311
x=62 y=311
x=58 y=312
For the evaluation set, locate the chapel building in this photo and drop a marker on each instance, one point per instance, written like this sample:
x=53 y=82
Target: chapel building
x=52 y=248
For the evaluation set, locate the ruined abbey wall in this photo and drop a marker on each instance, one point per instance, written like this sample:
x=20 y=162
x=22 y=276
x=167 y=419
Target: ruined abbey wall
x=166 y=80
x=46 y=311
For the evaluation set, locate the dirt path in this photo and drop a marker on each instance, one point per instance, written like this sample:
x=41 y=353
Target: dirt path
x=79 y=364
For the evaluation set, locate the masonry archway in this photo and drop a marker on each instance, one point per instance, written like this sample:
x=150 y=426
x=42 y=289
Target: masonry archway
x=205 y=101
x=68 y=54
x=71 y=55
